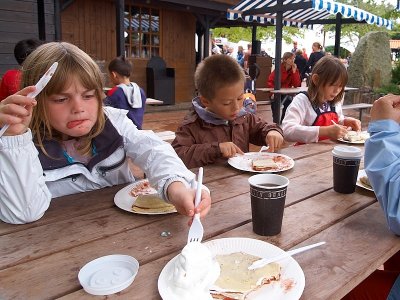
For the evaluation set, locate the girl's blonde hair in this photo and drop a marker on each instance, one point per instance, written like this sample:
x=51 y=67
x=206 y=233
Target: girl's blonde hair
x=72 y=63
x=330 y=71
x=287 y=55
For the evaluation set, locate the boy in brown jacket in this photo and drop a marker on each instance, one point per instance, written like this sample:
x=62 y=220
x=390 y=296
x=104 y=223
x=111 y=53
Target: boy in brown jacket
x=218 y=127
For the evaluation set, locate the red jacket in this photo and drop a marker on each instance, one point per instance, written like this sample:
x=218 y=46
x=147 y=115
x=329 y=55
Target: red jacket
x=10 y=83
x=288 y=78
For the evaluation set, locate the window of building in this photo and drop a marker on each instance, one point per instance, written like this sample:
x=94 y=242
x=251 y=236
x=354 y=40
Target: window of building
x=142 y=31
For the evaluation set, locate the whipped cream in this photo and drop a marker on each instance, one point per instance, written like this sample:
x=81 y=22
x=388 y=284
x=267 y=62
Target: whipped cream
x=194 y=273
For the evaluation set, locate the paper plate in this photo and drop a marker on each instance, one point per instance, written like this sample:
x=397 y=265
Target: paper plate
x=362 y=173
x=291 y=270
x=244 y=162
x=108 y=274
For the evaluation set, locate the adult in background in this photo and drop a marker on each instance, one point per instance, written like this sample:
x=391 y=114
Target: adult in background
x=12 y=78
x=240 y=56
x=290 y=77
x=294 y=47
x=246 y=57
x=315 y=56
x=300 y=62
x=382 y=164
x=305 y=55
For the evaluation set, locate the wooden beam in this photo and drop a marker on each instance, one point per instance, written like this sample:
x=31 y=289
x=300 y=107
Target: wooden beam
x=120 y=39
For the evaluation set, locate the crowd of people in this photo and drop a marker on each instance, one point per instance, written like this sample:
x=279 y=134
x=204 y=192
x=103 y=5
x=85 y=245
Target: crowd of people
x=56 y=143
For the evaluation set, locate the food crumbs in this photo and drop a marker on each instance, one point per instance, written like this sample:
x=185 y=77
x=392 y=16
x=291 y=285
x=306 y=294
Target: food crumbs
x=287 y=284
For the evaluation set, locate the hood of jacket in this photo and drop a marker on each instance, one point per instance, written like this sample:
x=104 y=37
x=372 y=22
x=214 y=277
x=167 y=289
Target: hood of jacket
x=132 y=93
x=208 y=116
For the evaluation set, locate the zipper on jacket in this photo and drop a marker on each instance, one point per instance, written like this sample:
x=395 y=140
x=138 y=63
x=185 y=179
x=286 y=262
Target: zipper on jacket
x=104 y=169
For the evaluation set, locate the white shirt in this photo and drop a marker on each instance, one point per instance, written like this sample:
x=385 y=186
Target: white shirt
x=299 y=117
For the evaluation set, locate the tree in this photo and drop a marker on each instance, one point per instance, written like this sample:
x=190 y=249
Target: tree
x=235 y=34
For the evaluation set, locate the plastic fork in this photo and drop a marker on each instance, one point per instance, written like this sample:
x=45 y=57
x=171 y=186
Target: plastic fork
x=196 y=230
x=43 y=81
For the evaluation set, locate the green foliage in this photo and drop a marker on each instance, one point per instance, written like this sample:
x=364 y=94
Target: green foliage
x=396 y=73
x=389 y=89
x=235 y=34
x=343 y=52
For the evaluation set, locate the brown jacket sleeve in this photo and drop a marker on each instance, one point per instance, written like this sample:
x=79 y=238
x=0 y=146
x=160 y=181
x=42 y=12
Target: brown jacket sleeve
x=192 y=154
x=259 y=130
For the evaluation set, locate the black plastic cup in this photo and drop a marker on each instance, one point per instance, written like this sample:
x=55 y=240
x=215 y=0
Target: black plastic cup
x=268 y=195
x=346 y=162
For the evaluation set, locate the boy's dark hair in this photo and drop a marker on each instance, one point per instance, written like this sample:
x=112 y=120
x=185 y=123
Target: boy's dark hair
x=121 y=66
x=215 y=72
x=25 y=47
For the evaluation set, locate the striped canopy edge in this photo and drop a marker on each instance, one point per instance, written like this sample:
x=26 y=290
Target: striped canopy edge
x=321 y=9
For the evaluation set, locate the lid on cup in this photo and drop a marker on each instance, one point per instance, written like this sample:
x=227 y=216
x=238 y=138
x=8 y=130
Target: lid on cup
x=108 y=274
x=347 y=151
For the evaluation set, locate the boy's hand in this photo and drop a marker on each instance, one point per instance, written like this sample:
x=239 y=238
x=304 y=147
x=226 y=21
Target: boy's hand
x=353 y=123
x=229 y=149
x=274 y=140
x=16 y=110
x=387 y=107
x=183 y=200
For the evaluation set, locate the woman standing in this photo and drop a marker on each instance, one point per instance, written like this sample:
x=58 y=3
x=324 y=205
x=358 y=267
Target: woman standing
x=315 y=56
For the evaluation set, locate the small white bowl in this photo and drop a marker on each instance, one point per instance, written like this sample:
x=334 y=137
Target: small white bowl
x=108 y=274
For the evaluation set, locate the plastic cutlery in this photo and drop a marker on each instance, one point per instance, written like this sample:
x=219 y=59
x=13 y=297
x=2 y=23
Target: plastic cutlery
x=196 y=230
x=265 y=261
x=43 y=81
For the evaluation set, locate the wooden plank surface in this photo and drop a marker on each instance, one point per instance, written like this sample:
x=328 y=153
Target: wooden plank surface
x=47 y=255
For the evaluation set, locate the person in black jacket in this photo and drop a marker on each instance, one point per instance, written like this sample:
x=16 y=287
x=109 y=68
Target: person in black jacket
x=315 y=56
x=301 y=63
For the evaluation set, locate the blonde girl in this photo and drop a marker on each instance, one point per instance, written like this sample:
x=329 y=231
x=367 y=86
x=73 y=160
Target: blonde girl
x=66 y=142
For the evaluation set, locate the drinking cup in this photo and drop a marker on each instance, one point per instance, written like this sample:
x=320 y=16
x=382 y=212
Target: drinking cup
x=268 y=195
x=346 y=162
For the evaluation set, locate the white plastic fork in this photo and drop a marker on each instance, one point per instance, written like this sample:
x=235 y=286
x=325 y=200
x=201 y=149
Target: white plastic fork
x=196 y=230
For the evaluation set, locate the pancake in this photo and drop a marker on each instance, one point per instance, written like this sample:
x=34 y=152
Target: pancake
x=237 y=280
x=365 y=182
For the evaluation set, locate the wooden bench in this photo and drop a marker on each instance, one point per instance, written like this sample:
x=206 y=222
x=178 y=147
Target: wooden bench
x=357 y=106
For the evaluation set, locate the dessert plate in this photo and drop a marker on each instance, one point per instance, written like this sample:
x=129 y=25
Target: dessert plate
x=291 y=270
x=362 y=173
x=244 y=162
x=124 y=200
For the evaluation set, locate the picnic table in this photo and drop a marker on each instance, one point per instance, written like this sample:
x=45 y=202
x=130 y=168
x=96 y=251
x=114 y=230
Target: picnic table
x=41 y=260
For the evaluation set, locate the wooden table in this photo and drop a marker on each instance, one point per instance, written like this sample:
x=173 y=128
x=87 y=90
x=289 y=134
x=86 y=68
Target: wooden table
x=41 y=260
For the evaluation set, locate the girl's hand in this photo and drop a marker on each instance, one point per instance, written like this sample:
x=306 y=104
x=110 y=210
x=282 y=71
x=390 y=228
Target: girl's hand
x=16 y=110
x=229 y=149
x=183 y=200
x=353 y=123
x=333 y=131
x=274 y=140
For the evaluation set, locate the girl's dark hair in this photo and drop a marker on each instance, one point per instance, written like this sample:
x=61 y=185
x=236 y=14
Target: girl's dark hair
x=330 y=71
x=121 y=66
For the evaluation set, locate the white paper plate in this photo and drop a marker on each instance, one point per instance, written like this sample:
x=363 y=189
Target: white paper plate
x=356 y=142
x=108 y=274
x=124 y=200
x=290 y=269
x=243 y=162
x=361 y=173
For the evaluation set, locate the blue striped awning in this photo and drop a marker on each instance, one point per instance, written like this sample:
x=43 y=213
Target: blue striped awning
x=317 y=9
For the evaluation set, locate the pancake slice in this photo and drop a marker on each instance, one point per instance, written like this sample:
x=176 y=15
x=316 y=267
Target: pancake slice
x=236 y=280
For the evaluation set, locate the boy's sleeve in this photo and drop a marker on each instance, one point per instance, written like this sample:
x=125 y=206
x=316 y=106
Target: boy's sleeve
x=191 y=153
x=259 y=129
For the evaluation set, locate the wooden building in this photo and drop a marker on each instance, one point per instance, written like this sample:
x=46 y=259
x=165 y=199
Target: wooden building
x=149 y=27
